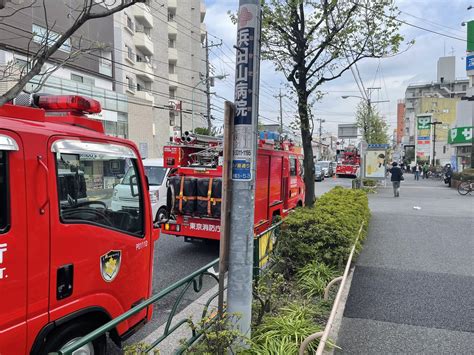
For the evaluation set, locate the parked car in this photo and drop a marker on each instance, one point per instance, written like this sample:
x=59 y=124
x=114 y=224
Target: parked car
x=157 y=176
x=326 y=167
x=333 y=166
x=318 y=173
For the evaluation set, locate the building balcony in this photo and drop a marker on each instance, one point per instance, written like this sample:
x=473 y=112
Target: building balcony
x=173 y=80
x=203 y=11
x=203 y=31
x=172 y=29
x=144 y=71
x=145 y=95
x=143 y=14
x=172 y=55
x=143 y=43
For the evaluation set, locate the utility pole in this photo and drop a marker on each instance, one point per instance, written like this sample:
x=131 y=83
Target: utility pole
x=280 y=96
x=434 y=124
x=244 y=153
x=208 y=82
x=321 y=121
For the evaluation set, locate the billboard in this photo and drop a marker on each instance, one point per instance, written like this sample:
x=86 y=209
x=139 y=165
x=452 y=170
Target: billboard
x=470 y=62
x=347 y=130
x=375 y=164
x=423 y=136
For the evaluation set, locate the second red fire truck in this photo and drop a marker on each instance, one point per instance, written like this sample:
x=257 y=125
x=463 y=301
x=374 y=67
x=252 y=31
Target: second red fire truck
x=195 y=184
x=349 y=163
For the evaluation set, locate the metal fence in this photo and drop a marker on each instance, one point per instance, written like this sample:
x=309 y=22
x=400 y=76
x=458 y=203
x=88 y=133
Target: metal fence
x=263 y=244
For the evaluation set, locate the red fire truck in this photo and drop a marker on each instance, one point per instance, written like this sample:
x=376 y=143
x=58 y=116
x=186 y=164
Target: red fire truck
x=195 y=185
x=348 y=163
x=69 y=262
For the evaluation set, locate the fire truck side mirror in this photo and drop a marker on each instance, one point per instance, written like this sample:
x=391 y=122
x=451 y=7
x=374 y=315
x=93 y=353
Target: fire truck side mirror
x=134 y=186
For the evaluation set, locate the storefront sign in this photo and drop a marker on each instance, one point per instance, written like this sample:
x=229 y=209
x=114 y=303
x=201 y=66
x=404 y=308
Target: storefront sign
x=460 y=135
x=423 y=140
x=470 y=62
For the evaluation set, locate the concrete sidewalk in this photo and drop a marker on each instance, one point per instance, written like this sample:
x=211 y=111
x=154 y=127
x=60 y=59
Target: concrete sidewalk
x=413 y=286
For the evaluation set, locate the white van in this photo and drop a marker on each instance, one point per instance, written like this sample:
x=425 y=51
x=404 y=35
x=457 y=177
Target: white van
x=157 y=176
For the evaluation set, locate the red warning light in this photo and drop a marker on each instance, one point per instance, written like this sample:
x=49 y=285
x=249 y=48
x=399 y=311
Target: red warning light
x=69 y=103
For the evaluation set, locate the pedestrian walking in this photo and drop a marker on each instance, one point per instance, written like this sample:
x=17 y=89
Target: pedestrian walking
x=397 y=176
x=417 y=171
x=426 y=169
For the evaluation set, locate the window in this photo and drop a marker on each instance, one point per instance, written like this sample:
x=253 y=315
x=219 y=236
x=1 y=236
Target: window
x=171 y=43
x=82 y=79
x=129 y=23
x=130 y=83
x=155 y=175
x=171 y=16
x=4 y=218
x=130 y=54
x=301 y=167
x=171 y=68
x=292 y=167
x=99 y=184
x=77 y=78
x=41 y=36
x=464 y=87
x=172 y=119
x=105 y=63
x=172 y=93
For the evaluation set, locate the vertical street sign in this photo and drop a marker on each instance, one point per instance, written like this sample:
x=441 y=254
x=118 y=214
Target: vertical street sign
x=244 y=151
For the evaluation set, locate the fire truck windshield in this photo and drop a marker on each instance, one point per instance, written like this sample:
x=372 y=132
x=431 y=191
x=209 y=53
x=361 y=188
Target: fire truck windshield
x=86 y=191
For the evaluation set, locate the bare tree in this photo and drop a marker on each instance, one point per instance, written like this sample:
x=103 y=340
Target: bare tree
x=314 y=42
x=42 y=47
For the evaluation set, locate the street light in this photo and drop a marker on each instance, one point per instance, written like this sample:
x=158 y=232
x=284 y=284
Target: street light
x=369 y=105
x=220 y=77
x=434 y=124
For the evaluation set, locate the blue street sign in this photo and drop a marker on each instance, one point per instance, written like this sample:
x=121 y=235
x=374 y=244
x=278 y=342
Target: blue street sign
x=470 y=62
x=376 y=145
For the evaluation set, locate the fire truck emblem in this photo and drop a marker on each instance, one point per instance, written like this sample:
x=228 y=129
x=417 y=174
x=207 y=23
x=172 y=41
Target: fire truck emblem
x=110 y=265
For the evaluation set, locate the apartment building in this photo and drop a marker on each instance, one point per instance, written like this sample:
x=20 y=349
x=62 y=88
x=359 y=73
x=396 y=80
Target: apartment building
x=91 y=74
x=437 y=99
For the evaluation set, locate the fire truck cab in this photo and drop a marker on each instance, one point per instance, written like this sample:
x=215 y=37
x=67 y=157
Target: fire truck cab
x=68 y=261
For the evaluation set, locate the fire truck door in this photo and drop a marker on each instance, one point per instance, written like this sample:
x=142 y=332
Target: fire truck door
x=261 y=189
x=13 y=245
x=100 y=229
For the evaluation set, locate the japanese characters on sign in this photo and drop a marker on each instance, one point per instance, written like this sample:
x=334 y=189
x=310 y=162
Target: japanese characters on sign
x=460 y=135
x=245 y=85
x=423 y=141
x=205 y=227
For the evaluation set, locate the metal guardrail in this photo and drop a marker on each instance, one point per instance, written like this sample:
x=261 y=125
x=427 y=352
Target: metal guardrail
x=263 y=243
x=195 y=279
x=325 y=334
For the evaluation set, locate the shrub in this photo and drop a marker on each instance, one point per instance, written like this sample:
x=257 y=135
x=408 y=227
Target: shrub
x=467 y=174
x=324 y=233
x=283 y=333
x=313 y=278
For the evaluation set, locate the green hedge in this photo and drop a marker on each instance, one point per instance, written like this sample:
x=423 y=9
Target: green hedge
x=467 y=174
x=324 y=233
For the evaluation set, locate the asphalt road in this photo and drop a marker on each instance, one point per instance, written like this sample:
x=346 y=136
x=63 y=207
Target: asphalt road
x=413 y=284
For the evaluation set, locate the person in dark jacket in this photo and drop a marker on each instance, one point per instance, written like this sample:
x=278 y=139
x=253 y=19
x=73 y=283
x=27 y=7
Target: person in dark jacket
x=397 y=176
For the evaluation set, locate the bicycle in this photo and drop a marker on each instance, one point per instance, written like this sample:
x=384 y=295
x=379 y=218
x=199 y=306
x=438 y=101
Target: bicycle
x=466 y=187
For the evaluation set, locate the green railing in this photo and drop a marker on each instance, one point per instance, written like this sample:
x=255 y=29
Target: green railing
x=195 y=279
x=263 y=245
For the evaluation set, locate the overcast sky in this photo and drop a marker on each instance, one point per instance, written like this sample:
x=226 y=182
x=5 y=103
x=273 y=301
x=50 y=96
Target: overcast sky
x=393 y=75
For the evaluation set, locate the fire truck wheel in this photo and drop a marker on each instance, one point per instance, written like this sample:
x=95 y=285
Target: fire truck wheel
x=161 y=214
x=71 y=332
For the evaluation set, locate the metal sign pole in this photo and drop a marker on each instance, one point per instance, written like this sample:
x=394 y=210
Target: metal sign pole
x=244 y=151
